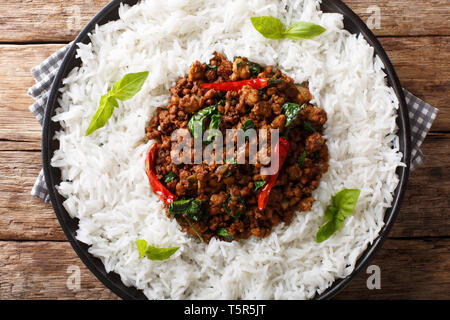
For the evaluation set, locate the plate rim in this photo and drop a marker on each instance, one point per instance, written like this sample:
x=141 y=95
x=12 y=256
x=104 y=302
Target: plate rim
x=112 y=280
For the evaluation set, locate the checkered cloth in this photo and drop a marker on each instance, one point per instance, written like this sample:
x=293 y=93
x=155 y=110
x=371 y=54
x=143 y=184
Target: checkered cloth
x=421 y=114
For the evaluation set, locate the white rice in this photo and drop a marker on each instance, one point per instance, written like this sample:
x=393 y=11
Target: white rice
x=104 y=176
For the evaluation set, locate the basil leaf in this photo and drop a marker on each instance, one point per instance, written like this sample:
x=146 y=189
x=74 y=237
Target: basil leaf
x=179 y=207
x=103 y=114
x=224 y=233
x=343 y=205
x=331 y=212
x=309 y=126
x=302 y=159
x=259 y=184
x=346 y=201
x=169 y=177
x=129 y=86
x=195 y=230
x=228 y=174
x=142 y=247
x=255 y=69
x=327 y=230
x=227 y=209
x=286 y=133
x=231 y=161
x=249 y=124
x=273 y=28
x=195 y=210
x=160 y=254
x=154 y=253
x=291 y=111
x=304 y=30
x=123 y=90
x=214 y=127
x=191 y=207
x=269 y=27
x=210 y=67
x=195 y=124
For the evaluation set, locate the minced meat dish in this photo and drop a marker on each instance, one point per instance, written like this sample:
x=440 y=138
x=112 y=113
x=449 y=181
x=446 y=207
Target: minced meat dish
x=222 y=200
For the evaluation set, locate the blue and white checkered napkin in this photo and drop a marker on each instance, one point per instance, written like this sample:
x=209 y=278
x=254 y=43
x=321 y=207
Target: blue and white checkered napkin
x=421 y=114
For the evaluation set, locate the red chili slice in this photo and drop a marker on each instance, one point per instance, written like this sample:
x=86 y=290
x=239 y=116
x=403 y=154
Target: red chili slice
x=282 y=150
x=165 y=195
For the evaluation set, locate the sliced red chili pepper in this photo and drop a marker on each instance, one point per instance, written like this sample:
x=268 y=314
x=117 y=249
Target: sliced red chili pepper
x=259 y=83
x=165 y=195
x=282 y=150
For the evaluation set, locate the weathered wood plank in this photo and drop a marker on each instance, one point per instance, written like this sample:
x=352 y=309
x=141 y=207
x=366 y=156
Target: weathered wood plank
x=56 y=21
x=410 y=269
x=424 y=211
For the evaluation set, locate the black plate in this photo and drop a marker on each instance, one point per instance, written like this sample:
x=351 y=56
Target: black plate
x=53 y=176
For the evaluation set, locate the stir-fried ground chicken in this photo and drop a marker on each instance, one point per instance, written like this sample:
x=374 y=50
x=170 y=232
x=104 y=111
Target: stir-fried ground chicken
x=227 y=192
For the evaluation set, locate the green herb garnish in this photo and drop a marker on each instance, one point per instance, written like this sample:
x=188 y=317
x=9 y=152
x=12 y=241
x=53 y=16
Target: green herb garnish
x=196 y=123
x=231 y=161
x=123 y=90
x=302 y=159
x=309 y=126
x=227 y=209
x=273 y=28
x=343 y=205
x=153 y=253
x=142 y=246
x=269 y=27
x=259 y=184
x=224 y=233
x=249 y=124
x=291 y=111
x=190 y=207
x=169 y=177
x=304 y=30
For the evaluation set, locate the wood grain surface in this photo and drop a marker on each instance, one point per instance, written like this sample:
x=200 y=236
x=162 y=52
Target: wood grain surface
x=36 y=261
x=41 y=270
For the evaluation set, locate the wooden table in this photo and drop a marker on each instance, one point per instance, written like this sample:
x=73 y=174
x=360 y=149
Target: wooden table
x=35 y=258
